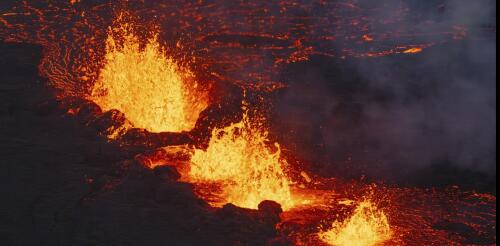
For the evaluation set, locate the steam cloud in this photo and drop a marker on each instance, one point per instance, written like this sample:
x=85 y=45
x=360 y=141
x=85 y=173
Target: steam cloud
x=389 y=117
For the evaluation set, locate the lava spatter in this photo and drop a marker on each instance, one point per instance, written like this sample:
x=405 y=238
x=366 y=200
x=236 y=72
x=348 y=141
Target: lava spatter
x=239 y=159
x=150 y=88
x=367 y=226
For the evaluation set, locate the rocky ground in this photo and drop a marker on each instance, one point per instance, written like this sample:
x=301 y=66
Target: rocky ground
x=64 y=185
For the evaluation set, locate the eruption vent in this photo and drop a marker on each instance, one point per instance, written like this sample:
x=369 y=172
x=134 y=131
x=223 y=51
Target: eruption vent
x=366 y=227
x=248 y=170
x=151 y=89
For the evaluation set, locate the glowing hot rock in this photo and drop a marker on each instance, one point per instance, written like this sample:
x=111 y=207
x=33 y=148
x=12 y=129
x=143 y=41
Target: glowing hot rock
x=152 y=90
x=248 y=170
x=366 y=227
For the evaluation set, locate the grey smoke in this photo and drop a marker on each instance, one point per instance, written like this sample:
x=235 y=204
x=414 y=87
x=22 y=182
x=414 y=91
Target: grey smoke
x=392 y=116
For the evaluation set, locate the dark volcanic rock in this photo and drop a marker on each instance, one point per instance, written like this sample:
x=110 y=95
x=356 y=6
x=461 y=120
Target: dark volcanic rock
x=271 y=211
x=246 y=222
x=175 y=193
x=216 y=115
x=109 y=122
x=142 y=140
x=63 y=184
x=49 y=107
x=167 y=173
x=87 y=111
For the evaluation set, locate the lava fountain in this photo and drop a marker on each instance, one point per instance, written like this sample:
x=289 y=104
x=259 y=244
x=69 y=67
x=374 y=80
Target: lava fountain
x=366 y=227
x=152 y=90
x=127 y=68
x=240 y=160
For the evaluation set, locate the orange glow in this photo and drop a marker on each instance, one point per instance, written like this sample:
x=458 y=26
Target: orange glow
x=150 y=88
x=366 y=227
x=240 y=160
x=413 y=50
x=252 y=45
x=367 y=38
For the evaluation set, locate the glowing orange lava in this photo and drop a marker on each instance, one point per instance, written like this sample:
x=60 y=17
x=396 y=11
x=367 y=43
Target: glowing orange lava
x=239 y=158
x=368 y=38
x=366 y=227
x=413 y=50
x=149 y=87
x=249 y=49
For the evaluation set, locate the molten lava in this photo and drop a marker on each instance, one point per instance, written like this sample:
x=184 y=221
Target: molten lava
x=239 y=158
x=150 y=88
x=413 y=50
x=251 y=49
x=366 y=227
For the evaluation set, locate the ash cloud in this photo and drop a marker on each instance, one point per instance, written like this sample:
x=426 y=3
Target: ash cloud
x=391 y=117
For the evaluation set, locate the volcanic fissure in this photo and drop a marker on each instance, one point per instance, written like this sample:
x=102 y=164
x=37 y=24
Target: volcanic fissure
x=186 y=95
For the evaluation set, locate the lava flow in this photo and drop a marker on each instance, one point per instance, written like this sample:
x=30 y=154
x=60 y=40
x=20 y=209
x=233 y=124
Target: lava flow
x=151 y=89
x=157 y=78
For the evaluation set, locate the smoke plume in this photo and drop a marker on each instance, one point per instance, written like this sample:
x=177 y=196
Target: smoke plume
x=391 y=117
